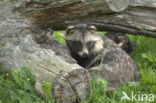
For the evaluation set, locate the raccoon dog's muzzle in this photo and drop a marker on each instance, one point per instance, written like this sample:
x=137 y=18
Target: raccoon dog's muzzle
x=84 y=52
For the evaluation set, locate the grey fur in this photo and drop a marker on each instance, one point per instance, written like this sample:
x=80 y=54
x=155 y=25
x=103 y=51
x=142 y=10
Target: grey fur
x=116 y=64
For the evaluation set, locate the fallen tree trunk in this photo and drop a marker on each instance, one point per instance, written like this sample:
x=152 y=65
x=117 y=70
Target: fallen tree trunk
x=21 y=45
x=127 y=16
x=69 y=80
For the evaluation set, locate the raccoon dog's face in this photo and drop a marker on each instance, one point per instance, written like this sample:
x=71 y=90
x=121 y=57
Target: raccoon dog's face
x=83 y=40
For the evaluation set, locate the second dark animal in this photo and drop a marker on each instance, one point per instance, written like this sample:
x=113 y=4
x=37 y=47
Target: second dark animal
x=122 y=41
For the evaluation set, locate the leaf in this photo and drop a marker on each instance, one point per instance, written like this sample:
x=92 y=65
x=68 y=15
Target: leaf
x=14 y=97
x=59 y=38
x=5 y=89
x=148 y=77
x=153 y=89
x=149 y=57
x=46 y=88
x=98 y=87
x=26 y=74
x=102 y=82
x=20 y=92
x=28 y=80
x=16 y=75
x=133 y=84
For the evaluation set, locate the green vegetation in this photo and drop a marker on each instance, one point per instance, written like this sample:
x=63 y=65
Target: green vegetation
x=19 y=86
x=57 y=36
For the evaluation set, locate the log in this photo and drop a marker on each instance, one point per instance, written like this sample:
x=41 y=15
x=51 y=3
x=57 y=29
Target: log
x=127 y=14
x=22 y=50
x=22 y=44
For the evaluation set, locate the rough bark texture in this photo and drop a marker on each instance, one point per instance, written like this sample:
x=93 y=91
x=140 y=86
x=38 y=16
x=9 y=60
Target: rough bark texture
x=19 y=49
x=23 y=44
x=57 y=14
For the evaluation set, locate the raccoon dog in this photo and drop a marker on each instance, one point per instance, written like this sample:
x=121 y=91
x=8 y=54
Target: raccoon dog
x=84 y=43
x=122 y=41
x=90 y=49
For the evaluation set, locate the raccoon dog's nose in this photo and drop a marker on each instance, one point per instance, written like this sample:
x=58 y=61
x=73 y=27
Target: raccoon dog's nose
x=84 y=53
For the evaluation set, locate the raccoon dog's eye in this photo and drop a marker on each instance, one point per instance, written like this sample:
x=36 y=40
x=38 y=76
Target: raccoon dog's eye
x=90 y=44
x=71 y=31
x=75 y=44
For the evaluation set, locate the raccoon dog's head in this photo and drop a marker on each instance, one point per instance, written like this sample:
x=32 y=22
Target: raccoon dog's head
x=83 y=40
x=122 y=40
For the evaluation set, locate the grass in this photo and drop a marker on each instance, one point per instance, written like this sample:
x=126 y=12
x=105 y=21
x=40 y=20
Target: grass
x=20 y=89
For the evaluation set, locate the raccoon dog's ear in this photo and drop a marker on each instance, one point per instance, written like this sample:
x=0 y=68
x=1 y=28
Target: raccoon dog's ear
x=70 y=27
x=66 y=32
x=69 y=30
x=92 y=27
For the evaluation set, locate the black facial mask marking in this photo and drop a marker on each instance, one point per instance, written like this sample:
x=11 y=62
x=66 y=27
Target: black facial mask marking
x=90 y=44
x=75 y=45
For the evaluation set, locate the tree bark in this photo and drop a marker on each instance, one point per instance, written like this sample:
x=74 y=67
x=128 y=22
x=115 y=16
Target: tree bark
x=19 y=49
x=24 y=45
x=139 y=15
